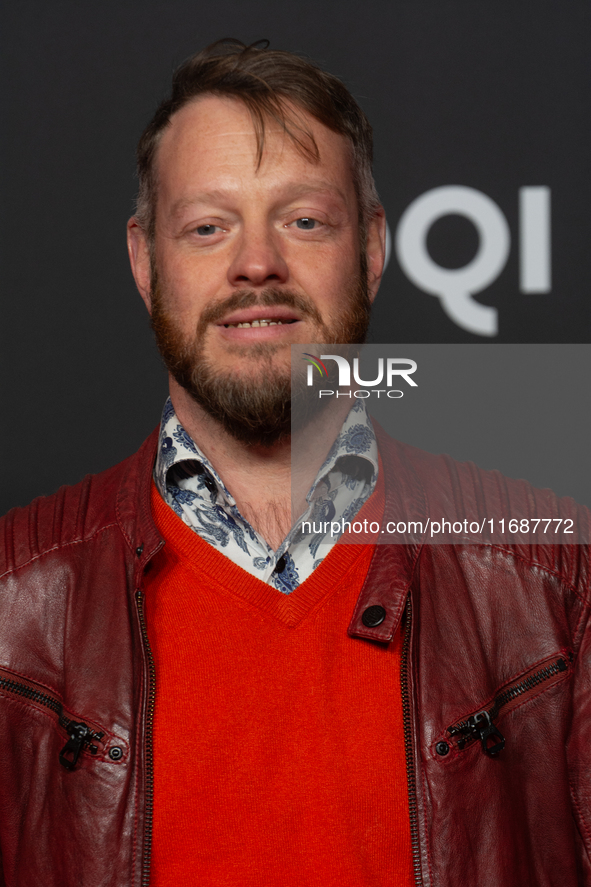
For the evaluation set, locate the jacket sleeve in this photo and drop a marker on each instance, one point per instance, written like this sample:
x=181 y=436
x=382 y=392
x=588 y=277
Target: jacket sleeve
x=579 y=750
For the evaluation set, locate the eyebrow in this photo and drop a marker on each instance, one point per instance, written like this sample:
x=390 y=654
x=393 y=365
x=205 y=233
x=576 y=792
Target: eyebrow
x=292 y=193
x=185 y=202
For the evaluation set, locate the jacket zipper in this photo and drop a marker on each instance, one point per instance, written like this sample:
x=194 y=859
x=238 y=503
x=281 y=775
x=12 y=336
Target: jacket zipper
x=410 y=764
x=149 y=808
x=480 y=725
x=80 y=735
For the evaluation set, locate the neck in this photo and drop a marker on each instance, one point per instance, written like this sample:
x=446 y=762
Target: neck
x=269 y=488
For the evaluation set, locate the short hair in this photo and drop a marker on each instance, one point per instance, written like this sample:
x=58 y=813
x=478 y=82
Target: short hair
x=264 y=80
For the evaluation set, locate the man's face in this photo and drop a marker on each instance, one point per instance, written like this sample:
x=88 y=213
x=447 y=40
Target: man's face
x=247 y=260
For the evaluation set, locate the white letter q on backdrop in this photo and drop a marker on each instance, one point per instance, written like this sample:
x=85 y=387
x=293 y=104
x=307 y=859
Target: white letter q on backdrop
x=456 y=286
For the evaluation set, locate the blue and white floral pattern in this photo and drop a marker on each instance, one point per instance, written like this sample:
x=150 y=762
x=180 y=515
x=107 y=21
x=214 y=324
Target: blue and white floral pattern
x=189 y=483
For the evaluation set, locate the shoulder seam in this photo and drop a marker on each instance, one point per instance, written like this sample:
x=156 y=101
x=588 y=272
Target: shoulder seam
x=58 y=547
x=534 y=563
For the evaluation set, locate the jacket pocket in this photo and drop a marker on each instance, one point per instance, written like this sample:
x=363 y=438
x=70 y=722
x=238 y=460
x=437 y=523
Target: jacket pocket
x=481 y=724
x=82 y=737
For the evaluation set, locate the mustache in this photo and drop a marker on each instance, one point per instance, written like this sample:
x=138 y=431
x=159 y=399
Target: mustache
x=267 y=298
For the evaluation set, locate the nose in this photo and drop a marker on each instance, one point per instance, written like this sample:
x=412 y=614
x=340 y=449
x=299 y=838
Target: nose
x=258 y=260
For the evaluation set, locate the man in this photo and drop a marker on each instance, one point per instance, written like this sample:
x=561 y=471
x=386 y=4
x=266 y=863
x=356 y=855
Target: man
x=191 y=694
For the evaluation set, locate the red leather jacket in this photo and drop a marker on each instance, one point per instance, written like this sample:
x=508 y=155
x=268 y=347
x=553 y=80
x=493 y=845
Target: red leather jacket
x=496 y=641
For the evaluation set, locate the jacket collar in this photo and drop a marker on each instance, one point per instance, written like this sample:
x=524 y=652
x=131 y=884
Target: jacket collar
x=134 y=512
x=391 y=571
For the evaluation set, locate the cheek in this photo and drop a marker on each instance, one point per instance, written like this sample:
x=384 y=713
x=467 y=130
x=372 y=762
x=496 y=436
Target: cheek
x=333 y=288
x=324 y=273
x=187 y=289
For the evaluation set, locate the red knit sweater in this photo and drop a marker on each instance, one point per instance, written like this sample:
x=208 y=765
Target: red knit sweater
x=278 y=741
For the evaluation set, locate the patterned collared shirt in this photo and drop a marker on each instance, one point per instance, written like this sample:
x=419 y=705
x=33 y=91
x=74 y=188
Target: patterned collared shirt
x=188 y=482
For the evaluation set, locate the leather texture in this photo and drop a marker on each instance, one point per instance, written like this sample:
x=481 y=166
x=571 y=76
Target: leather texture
x=482 y=617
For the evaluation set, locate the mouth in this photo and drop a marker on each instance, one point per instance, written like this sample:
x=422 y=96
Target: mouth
x=244 y=325
x=259 y=323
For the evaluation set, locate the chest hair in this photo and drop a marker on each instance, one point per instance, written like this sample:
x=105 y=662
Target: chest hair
x=272 y=520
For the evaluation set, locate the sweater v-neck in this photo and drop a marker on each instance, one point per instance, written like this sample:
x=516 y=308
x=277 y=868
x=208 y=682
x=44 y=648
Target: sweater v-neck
x=229 y=578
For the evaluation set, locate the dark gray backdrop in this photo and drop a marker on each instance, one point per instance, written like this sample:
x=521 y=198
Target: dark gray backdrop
x=490 y=96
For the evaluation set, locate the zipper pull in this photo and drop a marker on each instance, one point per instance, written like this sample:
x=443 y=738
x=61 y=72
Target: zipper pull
x=80 y=735
x=482 y=727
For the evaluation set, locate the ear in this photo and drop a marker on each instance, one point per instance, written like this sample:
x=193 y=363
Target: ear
x=376 y=250
x=139 y=257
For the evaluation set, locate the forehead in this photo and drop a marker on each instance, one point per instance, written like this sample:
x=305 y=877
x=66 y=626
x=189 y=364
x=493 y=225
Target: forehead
x=212 y=138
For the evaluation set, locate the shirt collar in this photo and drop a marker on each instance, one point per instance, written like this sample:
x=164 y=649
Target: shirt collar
x=176 y=448
x=356 y=441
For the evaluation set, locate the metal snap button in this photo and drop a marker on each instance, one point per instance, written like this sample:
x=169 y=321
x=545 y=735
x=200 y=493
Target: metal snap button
x=115 y=753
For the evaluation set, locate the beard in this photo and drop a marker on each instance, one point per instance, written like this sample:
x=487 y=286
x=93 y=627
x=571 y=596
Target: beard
x=256 y=408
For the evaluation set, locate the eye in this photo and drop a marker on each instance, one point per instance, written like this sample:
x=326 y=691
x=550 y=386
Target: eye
x=204 y=230
x=306 y=224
